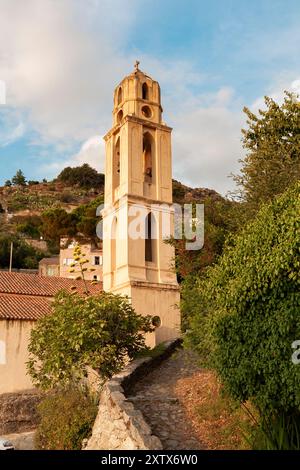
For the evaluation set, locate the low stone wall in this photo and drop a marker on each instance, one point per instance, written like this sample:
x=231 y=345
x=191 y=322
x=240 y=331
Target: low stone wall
x=118 y=425
x=18 y=411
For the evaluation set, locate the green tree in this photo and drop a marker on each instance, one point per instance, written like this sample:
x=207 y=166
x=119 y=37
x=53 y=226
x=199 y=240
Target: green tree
x=56 y=223
x=24 y=255
x=7 y=183
x=246 y=314
x=84 y=176
x=19 y=179
x=99 y=331
x=272 y=143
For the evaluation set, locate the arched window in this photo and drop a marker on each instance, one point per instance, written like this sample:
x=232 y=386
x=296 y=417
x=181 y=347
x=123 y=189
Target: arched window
x=113 y=248
x=147 y=157
x=150 y=237
x=120 y=96
x=145 y=92
x=119 y=116
x=116 y=164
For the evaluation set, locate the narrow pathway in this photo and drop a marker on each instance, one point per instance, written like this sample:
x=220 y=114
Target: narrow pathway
x=155 y=396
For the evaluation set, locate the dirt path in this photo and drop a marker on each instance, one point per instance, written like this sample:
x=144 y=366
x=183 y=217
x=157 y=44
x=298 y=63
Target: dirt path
x=156 y=397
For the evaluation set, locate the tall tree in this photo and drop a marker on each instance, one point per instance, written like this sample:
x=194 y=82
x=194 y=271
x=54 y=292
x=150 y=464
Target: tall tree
x=272 y=142
x=19 y=179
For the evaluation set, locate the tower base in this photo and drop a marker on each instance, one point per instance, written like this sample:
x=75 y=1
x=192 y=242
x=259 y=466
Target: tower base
x=155 y=299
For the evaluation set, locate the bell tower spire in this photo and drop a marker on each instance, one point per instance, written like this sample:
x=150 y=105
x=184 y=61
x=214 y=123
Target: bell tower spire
x=138 y=184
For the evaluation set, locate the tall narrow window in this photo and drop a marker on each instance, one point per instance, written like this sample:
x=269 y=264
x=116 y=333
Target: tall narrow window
x=147 y=157
x=150 y=238
x=120 y=96
x=145 y=92
x=113 y=247
x=116 y=165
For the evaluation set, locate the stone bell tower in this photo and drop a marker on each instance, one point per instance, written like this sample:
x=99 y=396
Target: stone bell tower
x=138 y=196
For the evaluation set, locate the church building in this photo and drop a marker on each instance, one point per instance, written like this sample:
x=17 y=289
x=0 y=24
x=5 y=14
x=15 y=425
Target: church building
x=138 y=187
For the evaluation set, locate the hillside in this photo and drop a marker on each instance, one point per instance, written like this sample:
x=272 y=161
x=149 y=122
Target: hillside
x=35 y=215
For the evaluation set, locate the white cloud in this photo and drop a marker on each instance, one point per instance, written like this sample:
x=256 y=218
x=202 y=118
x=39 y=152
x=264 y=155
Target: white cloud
x=61 y=61
x=276 y=91
x=59 y=66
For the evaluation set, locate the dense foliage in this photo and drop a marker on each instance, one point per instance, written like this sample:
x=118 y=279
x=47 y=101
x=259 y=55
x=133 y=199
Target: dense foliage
x=272 y=143
x=24 y=255
x=58 y=222
x=99 y=331
x=246 y=313
x=83 y=176
x=66 y=418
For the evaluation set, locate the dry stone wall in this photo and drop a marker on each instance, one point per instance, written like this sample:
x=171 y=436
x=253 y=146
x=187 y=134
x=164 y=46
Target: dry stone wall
x=118 y=425
x=18 y=411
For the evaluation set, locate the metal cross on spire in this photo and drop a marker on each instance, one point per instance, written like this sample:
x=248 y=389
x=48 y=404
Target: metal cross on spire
x=136 y=65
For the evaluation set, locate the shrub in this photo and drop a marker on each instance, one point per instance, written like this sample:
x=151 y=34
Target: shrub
x=83 y=176
x=67 y=417
x=99 y=331
x=251 y=304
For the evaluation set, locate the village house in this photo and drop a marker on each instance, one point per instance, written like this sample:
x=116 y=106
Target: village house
x=60 y=265
x=24 y=299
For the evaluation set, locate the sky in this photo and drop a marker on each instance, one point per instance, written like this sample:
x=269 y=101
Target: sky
x=60 y=61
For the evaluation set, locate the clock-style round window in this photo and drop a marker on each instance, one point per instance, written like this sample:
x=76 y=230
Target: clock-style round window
x=146 y=112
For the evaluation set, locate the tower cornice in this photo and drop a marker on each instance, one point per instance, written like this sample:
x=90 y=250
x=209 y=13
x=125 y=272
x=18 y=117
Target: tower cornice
x=144 y=122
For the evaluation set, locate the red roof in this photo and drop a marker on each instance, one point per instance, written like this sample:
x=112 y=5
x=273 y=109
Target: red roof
x=22 y=307
x=28 y=296
x=45 y=286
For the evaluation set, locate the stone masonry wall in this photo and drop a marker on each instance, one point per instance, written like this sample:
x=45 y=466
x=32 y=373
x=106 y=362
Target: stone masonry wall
x=18 y=411
x=118 y=425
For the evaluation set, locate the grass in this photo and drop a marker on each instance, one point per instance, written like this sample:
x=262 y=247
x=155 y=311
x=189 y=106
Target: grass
x=220 y=422
x=154 y=352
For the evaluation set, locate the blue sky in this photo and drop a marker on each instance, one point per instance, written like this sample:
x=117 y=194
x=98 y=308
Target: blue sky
x=61 y=60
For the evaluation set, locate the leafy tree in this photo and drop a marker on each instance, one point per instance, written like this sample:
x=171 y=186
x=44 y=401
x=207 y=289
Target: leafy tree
x=19 y=179
x=99 y=331
x=7 y=183
x=56 y=223
x=24 y=255
x=29 y=225
x=246 y=314
x=83 y=176
x=272 y=142
x=218 y=223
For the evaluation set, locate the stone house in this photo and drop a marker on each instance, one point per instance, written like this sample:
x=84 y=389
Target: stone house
x=92 y=253
x=24 y=299
x=49 y=266
x=60 y=265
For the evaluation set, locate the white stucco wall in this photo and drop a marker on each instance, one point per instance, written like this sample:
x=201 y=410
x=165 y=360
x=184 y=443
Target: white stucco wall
x=14 y=337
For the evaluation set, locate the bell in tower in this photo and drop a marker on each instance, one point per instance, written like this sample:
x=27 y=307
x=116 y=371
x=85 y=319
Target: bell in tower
x=138 y=185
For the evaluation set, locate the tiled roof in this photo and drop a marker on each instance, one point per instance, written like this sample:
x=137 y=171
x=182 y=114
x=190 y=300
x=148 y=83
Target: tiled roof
x=32 y=284
x=23 y=307
x=29 y=296
x=50 y=261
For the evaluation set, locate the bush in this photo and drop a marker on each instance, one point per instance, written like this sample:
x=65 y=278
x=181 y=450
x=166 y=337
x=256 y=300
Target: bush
x=100 y=331
x=67 y=417
x=83 y=176
x=248 y=310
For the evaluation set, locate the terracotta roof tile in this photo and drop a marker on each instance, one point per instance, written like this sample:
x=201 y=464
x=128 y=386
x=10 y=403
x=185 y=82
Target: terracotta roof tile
x=23 y=307
x=35 y=285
